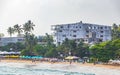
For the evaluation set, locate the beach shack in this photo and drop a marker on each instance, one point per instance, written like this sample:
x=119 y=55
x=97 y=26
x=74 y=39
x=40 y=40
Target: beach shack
x=5 y=54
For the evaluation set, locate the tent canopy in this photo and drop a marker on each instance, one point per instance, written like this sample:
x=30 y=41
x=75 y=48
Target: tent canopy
x=71 y=57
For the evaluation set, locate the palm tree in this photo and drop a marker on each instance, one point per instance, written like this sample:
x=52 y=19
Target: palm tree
x=115 y=26
x=30 y=41
x=18 y=29
x=115 y=31
x=10 y=31
x=28 y=27
x=49 y=39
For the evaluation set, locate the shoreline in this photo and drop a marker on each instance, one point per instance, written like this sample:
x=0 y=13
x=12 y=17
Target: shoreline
x=30 y=62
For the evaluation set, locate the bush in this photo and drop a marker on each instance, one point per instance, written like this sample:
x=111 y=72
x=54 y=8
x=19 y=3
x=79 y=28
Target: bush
x=26 y=52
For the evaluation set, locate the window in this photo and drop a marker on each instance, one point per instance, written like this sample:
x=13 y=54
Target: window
x=74 y=35
x=64 y=35
x=100 y=40
x=105 y=27
x=20 y=40
x=87 y=35
x=101 y=31
x=61 y=26
x=101 y=27
x=87 y=31
x=74 y=31
x=101 y=35
x=94 y=27
x=60 y=30
x=80 y=27
x=68 y=26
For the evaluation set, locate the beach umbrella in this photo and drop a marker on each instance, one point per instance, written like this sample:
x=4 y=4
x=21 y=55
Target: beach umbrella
x=28 y=57
x=40 y=57
x=14 y=56
x=22 y=56
x=36 y=57
x=75 y=57
x=53 y=59
x=71 y=57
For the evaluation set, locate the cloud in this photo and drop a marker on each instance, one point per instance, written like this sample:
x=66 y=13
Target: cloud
x=45 y=13
x=117 y=5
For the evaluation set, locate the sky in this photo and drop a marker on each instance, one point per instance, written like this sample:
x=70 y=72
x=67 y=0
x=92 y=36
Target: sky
x=44 y=13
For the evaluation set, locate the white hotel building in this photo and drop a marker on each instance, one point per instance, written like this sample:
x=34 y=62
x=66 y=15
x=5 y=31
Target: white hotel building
x=5 y=40
x=89 y=33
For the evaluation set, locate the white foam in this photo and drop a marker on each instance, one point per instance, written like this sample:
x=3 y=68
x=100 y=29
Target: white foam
x=66 y=67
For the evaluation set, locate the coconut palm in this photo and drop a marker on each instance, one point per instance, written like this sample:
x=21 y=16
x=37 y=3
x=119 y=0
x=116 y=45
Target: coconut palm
x=115 y=26
x=115 y=31
x=18 y=29
x=28 y=27
x=10 y=31
x=49 y=39
x=30 y=41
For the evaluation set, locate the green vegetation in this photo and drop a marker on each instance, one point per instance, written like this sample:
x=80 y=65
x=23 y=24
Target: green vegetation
x=14 y=46
x=10 y=31
x=110 y=49
x=18 y=29
x=106 y=50
x=102 y=52
x=70 y=47
x=115 y=31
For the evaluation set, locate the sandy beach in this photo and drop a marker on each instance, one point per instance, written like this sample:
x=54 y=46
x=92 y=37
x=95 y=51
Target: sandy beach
x=61 y=63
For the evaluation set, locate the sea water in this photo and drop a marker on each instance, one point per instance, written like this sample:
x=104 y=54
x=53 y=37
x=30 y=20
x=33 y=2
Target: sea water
x=25 y=69
x=4 y=70
x=51 y=69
